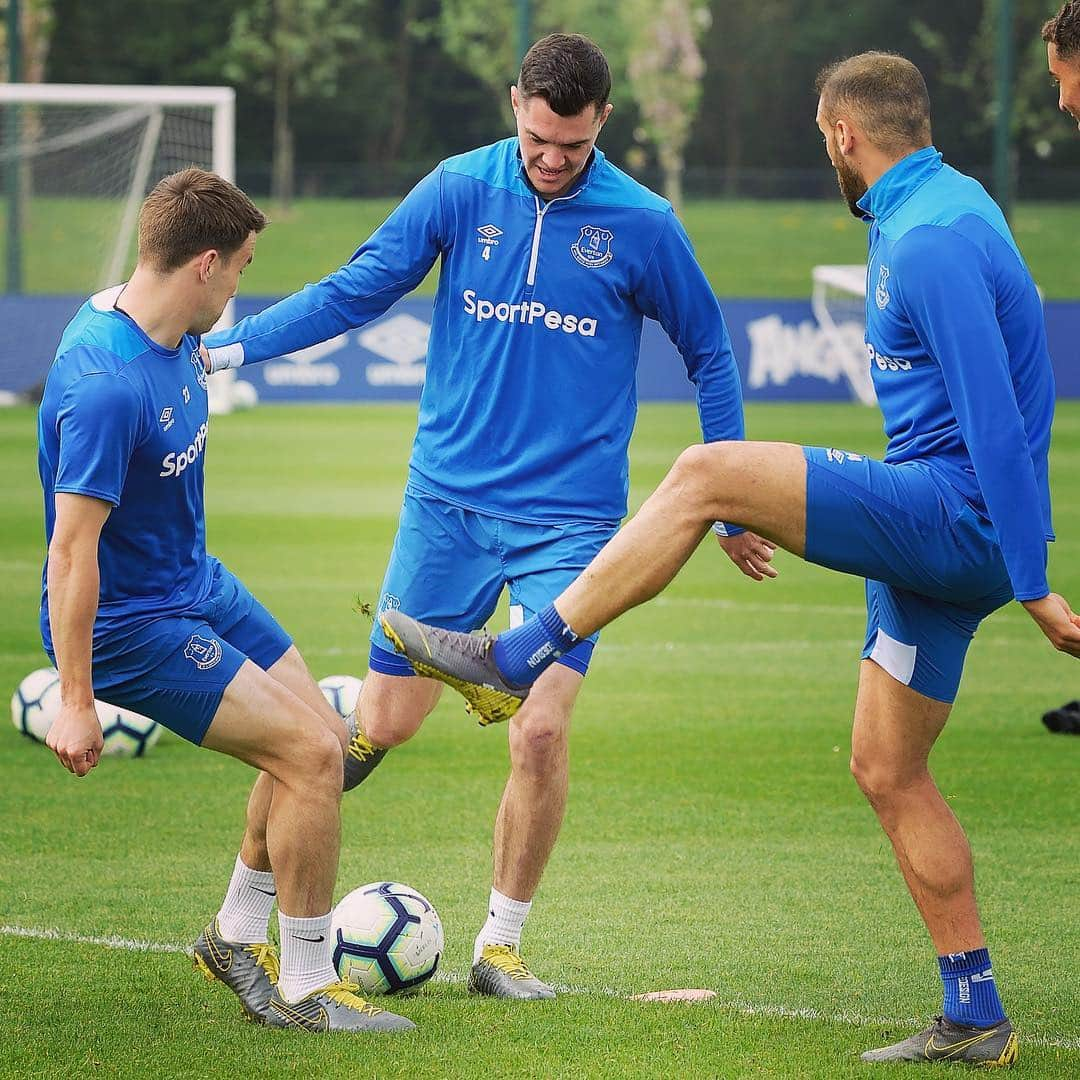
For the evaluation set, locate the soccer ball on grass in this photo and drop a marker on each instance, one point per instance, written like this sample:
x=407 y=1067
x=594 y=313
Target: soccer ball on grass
x=387 y=937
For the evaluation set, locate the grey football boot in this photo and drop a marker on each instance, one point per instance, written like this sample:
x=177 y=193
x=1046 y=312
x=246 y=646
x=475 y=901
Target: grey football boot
x=500 y=972
x=993 y=1047
x=249 y=971
x=361 y=755
x=337 y=1007
x=463 y=661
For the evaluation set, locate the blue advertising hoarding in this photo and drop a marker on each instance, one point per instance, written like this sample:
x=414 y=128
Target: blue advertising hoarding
x=782 y=352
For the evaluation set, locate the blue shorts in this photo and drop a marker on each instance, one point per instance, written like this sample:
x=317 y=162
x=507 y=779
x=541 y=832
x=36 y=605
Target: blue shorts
x=209 y=646
x=449 y=565
x=932 y=565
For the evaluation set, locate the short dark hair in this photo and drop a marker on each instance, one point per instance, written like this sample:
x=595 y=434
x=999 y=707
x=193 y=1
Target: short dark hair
x=1063 y=30
x=885 y=93
x=568 y=71
x=190 y=212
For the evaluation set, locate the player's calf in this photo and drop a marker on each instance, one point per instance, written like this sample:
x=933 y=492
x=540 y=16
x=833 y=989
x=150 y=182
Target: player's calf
x=390 y=711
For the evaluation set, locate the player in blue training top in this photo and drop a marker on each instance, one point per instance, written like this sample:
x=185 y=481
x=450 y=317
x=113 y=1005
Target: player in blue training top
x=952 y=525
x=550 y=258
x=134 y=611
x=1062 y=37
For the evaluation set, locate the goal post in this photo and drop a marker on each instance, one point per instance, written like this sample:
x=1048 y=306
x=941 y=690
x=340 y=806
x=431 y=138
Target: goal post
x=109 y=144
x=838 y=301
x=77 y=161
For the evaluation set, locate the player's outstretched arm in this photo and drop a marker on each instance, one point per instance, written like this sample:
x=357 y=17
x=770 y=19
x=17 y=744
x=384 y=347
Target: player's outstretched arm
x=1057 y=621
x=391 y=263
x=73 y=582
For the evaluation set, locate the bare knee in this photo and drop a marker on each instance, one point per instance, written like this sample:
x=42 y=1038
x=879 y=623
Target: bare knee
x=884 y=782
x=392 y=711
x=312 y=763
x=696 y=479
x=538 y=743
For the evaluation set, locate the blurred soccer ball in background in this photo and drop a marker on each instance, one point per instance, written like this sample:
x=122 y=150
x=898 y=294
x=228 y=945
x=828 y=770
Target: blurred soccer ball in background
x=36 y=704
x=341 y=691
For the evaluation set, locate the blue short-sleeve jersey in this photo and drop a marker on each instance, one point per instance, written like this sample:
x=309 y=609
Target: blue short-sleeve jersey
x=957 y=347
x=530 y=394
x=124 y=420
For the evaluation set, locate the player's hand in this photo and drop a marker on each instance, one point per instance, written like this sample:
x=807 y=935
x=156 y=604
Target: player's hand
x=75 y=738
x=1057 y=621
x=751 y=554
x=204 y=352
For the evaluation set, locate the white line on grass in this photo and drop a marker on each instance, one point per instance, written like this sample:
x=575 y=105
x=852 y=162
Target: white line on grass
x=128 y=944
x=745 y=1008
x=1008 y=615
x=743 y=605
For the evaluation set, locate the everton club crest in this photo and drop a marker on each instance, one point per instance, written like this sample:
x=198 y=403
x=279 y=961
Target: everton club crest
x=593 y=247
x=203 y=652
x=200 y=368
x=881 y=293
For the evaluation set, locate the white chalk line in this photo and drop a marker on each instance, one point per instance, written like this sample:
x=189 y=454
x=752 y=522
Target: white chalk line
x=744 y=1008
x=765 y=607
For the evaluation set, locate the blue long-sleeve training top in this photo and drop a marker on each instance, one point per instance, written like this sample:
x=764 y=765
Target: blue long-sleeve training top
x=530 y=397
x=957 y=346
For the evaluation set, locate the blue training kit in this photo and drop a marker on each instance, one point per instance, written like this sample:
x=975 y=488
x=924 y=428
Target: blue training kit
x=530 y=393
x=955 y=522
x=125 y=420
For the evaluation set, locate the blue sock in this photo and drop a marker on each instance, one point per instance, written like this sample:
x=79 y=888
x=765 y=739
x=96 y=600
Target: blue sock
x=522 y=654
x=971 y=995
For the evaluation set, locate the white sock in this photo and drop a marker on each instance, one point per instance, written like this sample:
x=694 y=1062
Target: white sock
x=305 y=956
x=245 y=911
x=505 y=919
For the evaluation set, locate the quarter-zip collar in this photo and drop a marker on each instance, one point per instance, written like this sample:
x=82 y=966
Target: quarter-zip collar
x=584 y=178
x=897 y=185
x=543 y=206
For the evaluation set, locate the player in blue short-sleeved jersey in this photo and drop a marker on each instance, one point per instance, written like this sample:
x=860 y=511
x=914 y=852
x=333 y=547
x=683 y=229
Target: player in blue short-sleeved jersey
x=952 y=525
x=152 y=552
x=550 y=259
x=135 y=612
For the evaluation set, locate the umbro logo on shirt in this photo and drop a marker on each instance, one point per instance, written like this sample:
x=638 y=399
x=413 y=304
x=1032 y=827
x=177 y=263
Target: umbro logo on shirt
x=488 y=238
x=166 y=419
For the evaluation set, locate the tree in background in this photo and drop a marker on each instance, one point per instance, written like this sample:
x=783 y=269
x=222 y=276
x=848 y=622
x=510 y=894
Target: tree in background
x=967 y=67
x=36 y=21
x=415 y=81
x=482 y=37
x=652 y=49
x=293 y=51
x=665 y=68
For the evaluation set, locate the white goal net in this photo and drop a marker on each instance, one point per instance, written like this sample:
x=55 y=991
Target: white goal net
x=75 y=165
x=838 y=299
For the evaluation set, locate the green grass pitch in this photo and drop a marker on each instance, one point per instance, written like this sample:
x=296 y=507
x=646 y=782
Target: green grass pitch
x=64 y=240
x=714 y=837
